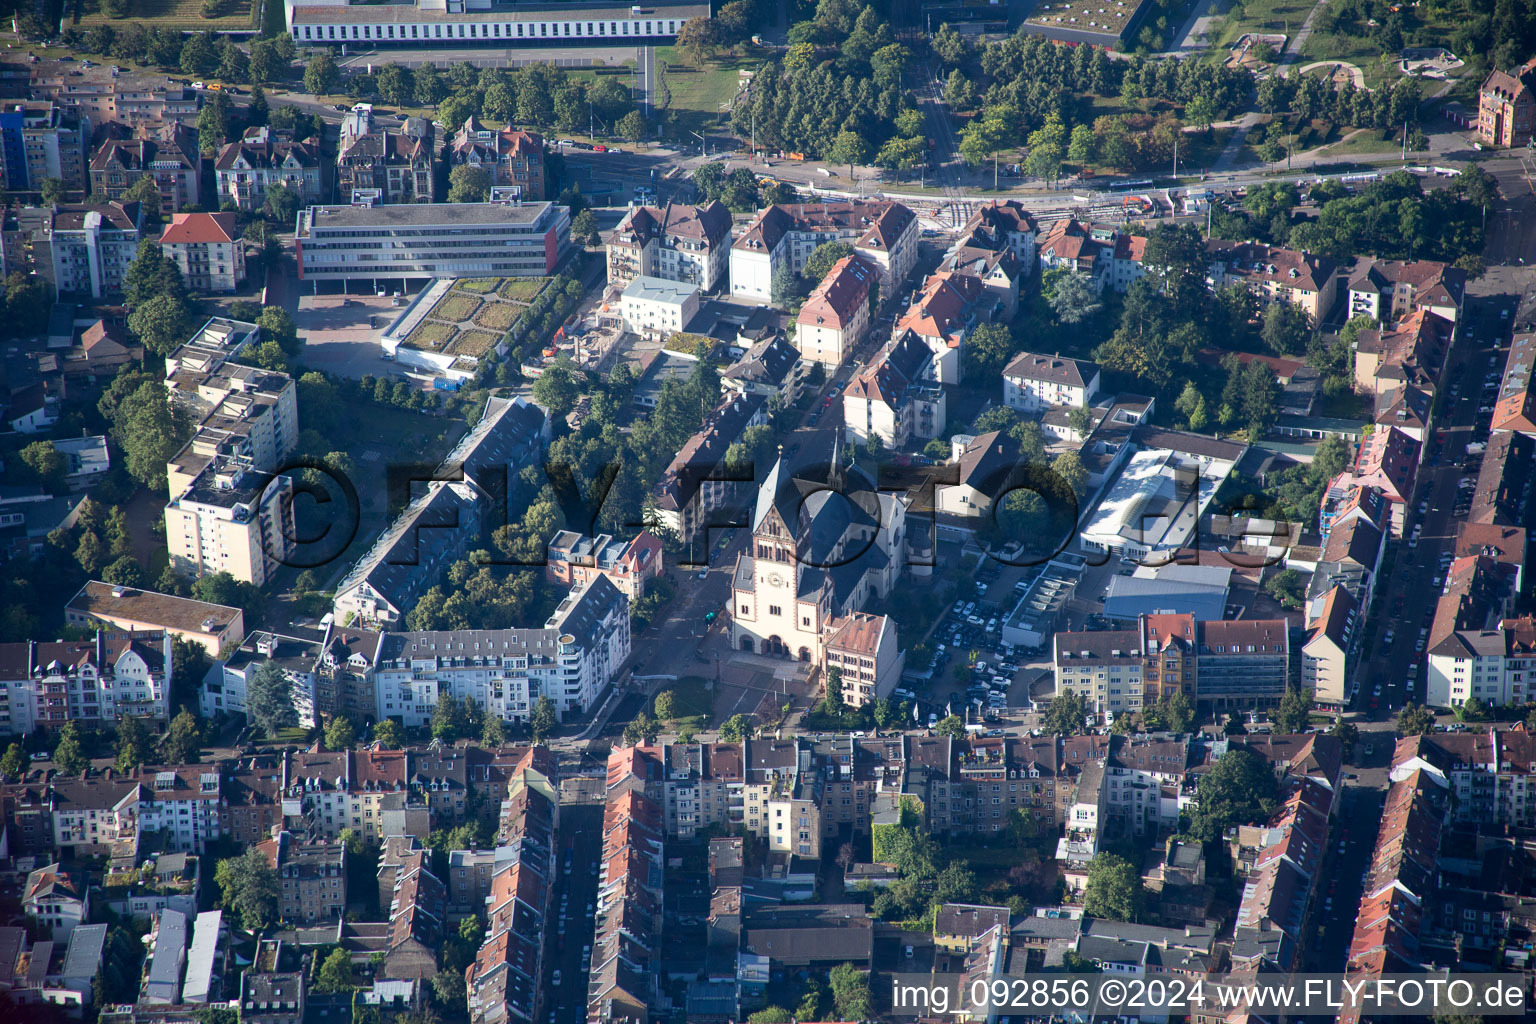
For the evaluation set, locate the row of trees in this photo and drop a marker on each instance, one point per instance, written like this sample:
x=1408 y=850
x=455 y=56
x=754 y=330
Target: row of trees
x=201 y=54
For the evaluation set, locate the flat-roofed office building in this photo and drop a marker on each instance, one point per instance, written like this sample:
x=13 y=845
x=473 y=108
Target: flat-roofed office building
x=417 y=242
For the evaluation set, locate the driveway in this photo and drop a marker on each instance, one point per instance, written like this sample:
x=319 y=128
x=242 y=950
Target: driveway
x=341 y=333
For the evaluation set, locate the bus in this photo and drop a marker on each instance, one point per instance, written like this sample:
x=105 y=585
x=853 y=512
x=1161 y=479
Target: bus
x=1129 y=186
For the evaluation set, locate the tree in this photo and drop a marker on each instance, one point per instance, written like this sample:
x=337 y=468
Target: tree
x=951 y=725
x=27 y=305
x=784 y=288
x=282 y=204
x=52 y=190
x=770 y=1015
x=987 y=350
x=1286 y=328
x=697 y=37
x=235 y=66
x=1295 y=710
x=633 y=126
x=152 y=274
x=543 y=718
x=388 y=734
x=1240 y=789
x=1415 y=720
x=44 y=463
x=198 y=57
x=849 y=148
x=492 y=732
x=183 y=740
x=1075 y=299
x=427 y=87
x=1065 y=714
x=1081 y=147
x=14 y=764
x=213 y=122
x=248 y=888
x=1176 y=262
x=161 y=324
x=901 y=153
x=1287 y=587
x=445 y=718
x=737 y=729
x=556 y=388
x=823 y=258
x=1474 y=710
x=832 y=702
x=335 y=974
x=641 y=729
x=145 y=192
x=1348 y=734
x=469 y=183
x=68 y=757
x=320 y=75
x=1047 y=149
x=269 y=699
x=1114 y=889
x=339 y=734
x=584 y=229
x=984 y=137
x=958 y=91
x=1069 y=467
x=665 y=705
x=850 y=993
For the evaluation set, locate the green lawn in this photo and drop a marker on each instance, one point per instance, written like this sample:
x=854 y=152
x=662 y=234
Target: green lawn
x=431 y=336
x=523 y=289
x=455 y=308
x=182 y=14
x=696 y=94
x=691 y=696
x=497 y=316
x=473 y=343
x=478 y=285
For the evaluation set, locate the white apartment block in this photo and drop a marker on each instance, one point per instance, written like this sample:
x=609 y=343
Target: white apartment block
x=657 y=308
x=571 y=660
x=688 y=244
x=1033 y=383
x=184 y=805
x=38 y=141
x=1497 y=666
x=425 y=22
x=92 y=246
x=207 y=249
x=883 y=232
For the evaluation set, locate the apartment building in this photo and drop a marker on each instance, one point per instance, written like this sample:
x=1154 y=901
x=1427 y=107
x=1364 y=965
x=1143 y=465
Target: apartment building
x=513 y=158
x=410 y=554
x=99 y=681
x=504 y=980
x=101 y=95
x=1496 y=665
x=228 y=513
x=208 y=250
x=1103 y=667
x=863 y=648
x=56 y=899
x=573 y=560
x=40 y=140
x=689 y=498
x=941 y=316
x=772 y=366
x=263 y=158
x=1388 y=290
x=90 y=247
x=297 y=657
x=1486 y=773
x=88 y=816
x=1329 y=648
x=415 y=242
x=1506 y=108
x=656 y=308
x=184 y=804
x=675 y=242
x=382 y=163
x=836 y=315
x=167 y=152
x=312 y=878
x=1274 y=274
x=625 y=962
x=571 y=660
x=883 y=233
x=1000 y=225
x=1033 y=383
x=1410 y=353
x=894 y=398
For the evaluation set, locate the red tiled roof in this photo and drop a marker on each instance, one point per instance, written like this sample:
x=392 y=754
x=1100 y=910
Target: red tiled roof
x=200 y=228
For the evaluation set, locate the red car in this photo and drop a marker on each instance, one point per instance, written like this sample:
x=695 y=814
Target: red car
x=599 y=148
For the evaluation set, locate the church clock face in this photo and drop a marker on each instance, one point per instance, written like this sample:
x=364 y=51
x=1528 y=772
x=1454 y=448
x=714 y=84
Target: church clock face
x=776 y=580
